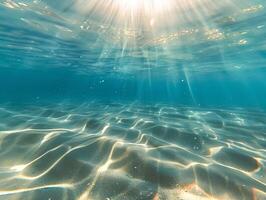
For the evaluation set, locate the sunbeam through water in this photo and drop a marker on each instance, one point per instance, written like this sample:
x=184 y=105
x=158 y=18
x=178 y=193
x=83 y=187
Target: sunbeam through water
x=132 y=100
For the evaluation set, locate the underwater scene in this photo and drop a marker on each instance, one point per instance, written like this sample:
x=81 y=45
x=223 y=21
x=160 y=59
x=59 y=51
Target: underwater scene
x=132 y=100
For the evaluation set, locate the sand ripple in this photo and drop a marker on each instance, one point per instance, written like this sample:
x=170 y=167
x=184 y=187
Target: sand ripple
x=113 y=151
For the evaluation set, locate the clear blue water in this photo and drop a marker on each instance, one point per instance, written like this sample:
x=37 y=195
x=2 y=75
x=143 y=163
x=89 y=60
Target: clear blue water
x=116 y=99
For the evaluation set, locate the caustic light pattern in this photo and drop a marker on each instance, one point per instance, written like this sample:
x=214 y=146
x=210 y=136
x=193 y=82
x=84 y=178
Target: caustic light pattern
x=118 y=151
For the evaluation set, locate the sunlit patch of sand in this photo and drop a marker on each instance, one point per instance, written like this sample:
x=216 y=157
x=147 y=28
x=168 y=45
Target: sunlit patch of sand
x=132 y=152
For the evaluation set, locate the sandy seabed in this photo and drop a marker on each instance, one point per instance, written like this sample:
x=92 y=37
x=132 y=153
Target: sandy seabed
x=117 y=151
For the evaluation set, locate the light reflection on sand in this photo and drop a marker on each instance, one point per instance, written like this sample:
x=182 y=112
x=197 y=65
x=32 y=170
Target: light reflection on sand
x=99 y=151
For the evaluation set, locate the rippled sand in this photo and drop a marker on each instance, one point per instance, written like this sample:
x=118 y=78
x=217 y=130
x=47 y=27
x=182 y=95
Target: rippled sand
x=100 y=151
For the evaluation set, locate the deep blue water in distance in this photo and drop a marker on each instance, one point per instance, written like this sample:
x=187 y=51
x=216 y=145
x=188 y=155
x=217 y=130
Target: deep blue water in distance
x=145 y=100
x=207 y=90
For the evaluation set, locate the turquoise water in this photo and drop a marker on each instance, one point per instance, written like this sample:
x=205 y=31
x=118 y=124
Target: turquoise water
x=145 y=100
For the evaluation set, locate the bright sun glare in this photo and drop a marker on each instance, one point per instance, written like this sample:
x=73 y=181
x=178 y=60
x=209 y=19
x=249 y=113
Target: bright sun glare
x=134 y=14
x=144 y=5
